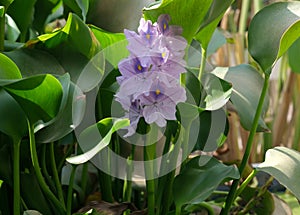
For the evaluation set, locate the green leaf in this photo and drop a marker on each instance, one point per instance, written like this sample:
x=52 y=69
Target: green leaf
x=189 y=16
x=70 y=114
x=211 y=21
x=283 y=164
x=39 y=96
x=113 y=45
x=272 y=31
x=34 y=62
x=212 y=94
x=200 y=177
x=8 y=69
x=43 y=9
x=22 y=13
x=12 y=30
x=75 y=33
x=13 y=119
x=91 y=134
x=247 y=85
x=293 y=54
x=216 y=92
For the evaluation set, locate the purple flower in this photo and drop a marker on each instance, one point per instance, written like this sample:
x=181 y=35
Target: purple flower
x=149 y=81
x=160 y=104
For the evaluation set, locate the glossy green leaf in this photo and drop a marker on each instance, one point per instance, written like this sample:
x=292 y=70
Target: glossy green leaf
x=247 y=85
x=39 y=96
x=92 y=133
x=34 y=62
x=293 y=54
x=12 y=30
x=13 y=119
x=70 y=114
x=200 y=177
x=106 y=38
x=8 y=69
x=22 y=13
x=211 y=21
x=272 y=31
x=189 y=16
x=75 y=33
x=283 y=164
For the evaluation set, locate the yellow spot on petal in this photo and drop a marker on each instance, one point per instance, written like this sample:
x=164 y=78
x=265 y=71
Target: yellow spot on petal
x=165 y=26
x=148 y=36
x=139 y=67
x=163 y=55
x=157 y=92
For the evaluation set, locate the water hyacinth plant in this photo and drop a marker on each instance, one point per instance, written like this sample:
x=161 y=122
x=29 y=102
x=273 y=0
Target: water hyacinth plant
x=166 y=117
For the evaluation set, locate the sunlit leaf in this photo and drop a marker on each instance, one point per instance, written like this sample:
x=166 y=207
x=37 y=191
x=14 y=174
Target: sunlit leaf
x=8 y=69
x=39 y=96
x=189 y=16
x=200 y=177
x=75 y=33
x=6 y=3
x=272 y=31
x=283 y=164
x=92 y=133
x=247 y=85
x=70 y=114
x=112 y=44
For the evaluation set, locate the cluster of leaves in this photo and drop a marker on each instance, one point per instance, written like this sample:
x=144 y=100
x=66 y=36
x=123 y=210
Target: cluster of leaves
x=46 y=80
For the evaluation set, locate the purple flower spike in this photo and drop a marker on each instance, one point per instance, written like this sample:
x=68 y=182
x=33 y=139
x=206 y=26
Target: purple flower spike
x=149 y=81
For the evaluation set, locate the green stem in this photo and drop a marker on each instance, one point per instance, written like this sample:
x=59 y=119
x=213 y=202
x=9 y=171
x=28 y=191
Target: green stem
x=35 y=163
x=244 y=17
x=203 y=63
x=70 y=190
x=149 y=157
x=55 y=175
x=232 y=193
x=105 y=186
x=16 y=149
x=127 y=188
x=2 y=31
x=246 y=182
x=258 y=5
x=45 y=173
x=84 y=179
